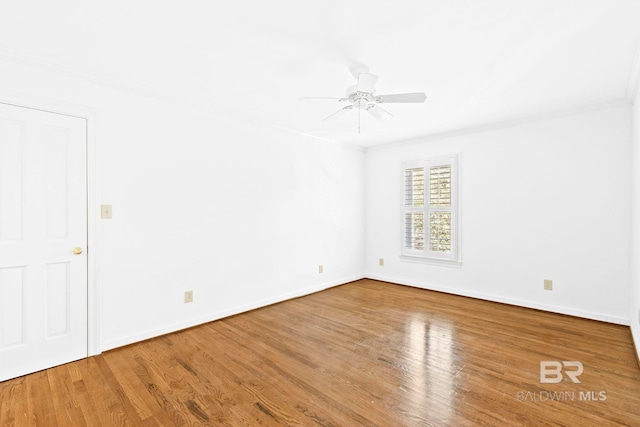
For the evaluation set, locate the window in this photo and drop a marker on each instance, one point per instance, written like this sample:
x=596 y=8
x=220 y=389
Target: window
x=430 y=210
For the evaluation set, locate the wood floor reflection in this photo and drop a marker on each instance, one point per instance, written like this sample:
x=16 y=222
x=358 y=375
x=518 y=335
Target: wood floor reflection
x=365 y=353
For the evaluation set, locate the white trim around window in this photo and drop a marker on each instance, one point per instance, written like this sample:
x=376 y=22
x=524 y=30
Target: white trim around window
x=430 y=211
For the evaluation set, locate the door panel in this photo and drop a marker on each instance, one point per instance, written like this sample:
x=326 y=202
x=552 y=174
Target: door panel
x=43 y=284
x=12 y=297
x=11 y=182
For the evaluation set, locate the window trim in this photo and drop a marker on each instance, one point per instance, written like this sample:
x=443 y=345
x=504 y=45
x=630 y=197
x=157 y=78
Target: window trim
x=452 y=259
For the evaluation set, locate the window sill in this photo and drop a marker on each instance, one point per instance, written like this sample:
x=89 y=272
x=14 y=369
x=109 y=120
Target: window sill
x=432 y=261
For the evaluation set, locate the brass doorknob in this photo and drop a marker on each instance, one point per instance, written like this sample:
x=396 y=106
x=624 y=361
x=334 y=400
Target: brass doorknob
x=77 y=250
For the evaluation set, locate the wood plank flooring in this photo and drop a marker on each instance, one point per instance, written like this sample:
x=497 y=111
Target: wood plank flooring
x=366 y=353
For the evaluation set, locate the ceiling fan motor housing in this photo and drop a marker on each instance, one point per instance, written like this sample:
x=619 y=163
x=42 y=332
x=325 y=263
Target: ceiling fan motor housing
x=361 y=99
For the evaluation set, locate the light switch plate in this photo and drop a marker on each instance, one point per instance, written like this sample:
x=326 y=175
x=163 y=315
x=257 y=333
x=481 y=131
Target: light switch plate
x=105 y=211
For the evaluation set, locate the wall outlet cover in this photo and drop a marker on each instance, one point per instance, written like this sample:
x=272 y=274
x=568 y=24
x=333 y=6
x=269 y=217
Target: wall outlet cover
x=188 y=297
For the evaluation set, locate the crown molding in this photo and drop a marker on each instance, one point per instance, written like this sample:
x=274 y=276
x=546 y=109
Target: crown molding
x=634 y=77
x=47 y=64
x=50 y=65
x=503 y=124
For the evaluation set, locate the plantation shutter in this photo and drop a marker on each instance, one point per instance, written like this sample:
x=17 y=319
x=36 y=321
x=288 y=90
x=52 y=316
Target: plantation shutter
x=414 y=186
x=430 y=208
x=440 y=208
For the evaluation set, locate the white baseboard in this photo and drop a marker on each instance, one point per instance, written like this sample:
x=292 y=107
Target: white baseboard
x=131 y=339
x=506 y=300
x=635 y=335
x=313 y=289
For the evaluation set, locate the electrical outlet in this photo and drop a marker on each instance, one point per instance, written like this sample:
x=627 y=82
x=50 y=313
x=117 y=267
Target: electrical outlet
x=381 y=262
x=188 y=297
x=320 y=269
x=548 y=285
x=639 y=316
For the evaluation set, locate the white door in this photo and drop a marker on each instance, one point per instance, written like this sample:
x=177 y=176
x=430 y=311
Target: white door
x=43 y=221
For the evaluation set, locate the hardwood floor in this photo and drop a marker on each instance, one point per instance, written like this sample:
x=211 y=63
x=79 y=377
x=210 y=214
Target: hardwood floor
x=365 y=353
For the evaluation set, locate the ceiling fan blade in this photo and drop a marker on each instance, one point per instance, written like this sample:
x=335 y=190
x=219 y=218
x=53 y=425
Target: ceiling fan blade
x=338 y=113
x=305 y=98
x=379 y=112
x=367 y=82
x=401 y=97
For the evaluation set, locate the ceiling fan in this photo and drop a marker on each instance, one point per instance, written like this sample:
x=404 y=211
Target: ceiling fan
x=362 y=96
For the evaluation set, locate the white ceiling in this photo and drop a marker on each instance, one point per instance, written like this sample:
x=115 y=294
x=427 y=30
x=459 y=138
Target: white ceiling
x=479 y=61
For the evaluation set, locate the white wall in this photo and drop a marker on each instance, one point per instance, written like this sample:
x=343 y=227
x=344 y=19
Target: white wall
x=542 y=200
x=241 y=214
x=635 y=225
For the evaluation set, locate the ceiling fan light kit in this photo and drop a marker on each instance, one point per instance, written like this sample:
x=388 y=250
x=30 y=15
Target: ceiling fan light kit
x=362 y=97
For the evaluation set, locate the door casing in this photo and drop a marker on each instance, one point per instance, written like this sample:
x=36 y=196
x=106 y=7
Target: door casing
x=90 y=115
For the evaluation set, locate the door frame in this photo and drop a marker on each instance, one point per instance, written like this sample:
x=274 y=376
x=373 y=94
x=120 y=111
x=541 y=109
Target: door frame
x=90 y=115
